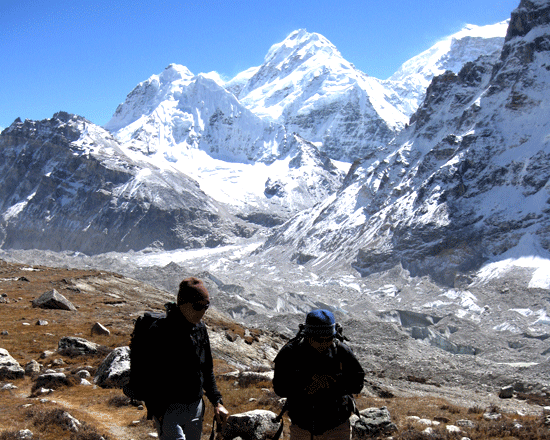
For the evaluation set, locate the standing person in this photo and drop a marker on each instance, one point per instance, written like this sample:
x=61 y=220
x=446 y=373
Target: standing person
x=181 y=367
x=318 y=374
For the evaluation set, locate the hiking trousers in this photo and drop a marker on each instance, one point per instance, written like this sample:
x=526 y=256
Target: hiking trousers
x=342 y=432
x=181 y=421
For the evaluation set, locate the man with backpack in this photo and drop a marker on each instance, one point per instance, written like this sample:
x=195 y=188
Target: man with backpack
x=318 y=374
x=178 y=366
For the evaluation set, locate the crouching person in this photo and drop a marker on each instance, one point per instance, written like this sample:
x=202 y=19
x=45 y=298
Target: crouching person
x=181 y=367
x=318 y=374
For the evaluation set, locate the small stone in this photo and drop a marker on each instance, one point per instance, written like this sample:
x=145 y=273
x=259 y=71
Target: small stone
x=24 y=434
x=465 y=423
x=492 y=416
x=83 y=374
x=506 y=392
x=99 y=329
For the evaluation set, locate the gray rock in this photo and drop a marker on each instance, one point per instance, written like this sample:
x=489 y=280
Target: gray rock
x=24 y=434
x=73 y=346
x=50 y=381
x=492 y=416
x=69 y=422
x=47 y=354
x=372 y=422
x=32 y=368
x=83 y=374
x=251 y=425
x=506 y=392
x=53 y=300
x=465 y=423
x=114 y=371
x=99 y=329
x=9 y=367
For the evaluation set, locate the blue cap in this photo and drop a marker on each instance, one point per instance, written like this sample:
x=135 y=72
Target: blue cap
x=320 y=323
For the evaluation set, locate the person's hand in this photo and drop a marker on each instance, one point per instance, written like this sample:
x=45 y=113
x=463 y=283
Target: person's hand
x=319 y=382
x=221 y=413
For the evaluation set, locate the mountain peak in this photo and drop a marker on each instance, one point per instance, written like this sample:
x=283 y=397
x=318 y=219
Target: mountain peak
x=300 y=44
x=175 y=72
x=497 y=30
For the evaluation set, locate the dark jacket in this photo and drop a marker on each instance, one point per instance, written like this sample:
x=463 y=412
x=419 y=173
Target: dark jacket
x=295 y=366
x=181 y=363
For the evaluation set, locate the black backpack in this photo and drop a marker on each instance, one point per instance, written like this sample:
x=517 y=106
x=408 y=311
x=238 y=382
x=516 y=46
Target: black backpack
x=136 y=388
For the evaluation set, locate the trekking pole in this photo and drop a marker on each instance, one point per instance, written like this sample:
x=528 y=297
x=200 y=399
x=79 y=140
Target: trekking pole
x=216 y=432
x=279 y=419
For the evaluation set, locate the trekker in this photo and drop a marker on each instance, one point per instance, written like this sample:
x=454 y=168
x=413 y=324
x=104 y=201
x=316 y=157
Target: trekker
x=181 y=367
x=318 y=374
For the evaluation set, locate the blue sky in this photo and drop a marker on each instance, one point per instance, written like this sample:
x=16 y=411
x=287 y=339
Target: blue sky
x=84 y=57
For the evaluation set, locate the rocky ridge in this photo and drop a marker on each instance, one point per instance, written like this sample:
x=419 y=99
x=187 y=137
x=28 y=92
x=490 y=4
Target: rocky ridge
x=467 y=181
x=71 y=178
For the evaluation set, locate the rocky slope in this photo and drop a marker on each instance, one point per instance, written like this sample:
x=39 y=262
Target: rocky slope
x=467 y=181
x=67 y=184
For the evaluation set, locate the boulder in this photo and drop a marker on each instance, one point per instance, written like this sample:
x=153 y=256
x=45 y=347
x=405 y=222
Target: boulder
x=51 y=381
x=53 y=300
x=114 y=371
x=73 y=346
x=9 y=367
x=32 y=368
x=371 y=423
x=506 y=392
x=252 y=425
x=69 y=422
x=99 y=329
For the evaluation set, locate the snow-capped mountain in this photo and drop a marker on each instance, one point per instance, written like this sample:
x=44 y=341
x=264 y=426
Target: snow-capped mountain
x=262 y=144
x=466 y=182
x=68 y=185
x=224 y=134
x=176 y=111
x=415 y=75
x=306 y=85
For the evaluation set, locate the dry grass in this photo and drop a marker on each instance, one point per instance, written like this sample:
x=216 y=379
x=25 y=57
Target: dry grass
x=108 y=413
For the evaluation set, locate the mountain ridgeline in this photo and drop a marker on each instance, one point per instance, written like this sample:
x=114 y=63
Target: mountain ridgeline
x=436 y=169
